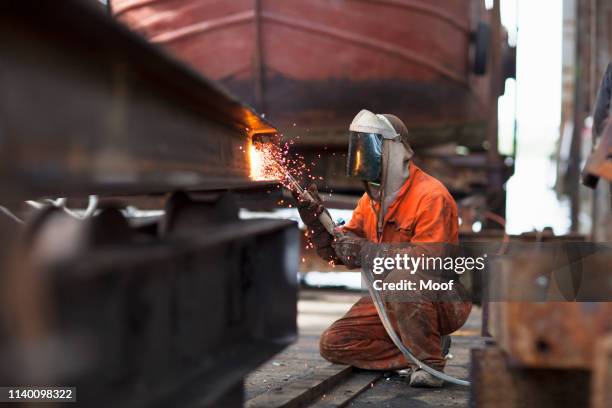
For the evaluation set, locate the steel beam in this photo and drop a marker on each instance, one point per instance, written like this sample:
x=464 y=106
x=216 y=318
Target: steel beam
x=87 y=106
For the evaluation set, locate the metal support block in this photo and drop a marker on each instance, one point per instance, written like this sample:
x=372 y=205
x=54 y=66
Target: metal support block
x=551 y=334
x=550 y=302
x=498 y=384
x=174 y=317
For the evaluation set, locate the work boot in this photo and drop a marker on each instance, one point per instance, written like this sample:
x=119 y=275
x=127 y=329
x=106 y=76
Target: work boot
x=422 y=379
x=445 y=343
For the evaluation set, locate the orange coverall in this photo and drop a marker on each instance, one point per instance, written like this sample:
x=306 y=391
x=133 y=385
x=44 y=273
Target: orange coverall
x=423 y=212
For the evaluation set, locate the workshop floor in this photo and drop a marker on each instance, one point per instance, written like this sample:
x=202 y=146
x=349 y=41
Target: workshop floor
x=316 y=311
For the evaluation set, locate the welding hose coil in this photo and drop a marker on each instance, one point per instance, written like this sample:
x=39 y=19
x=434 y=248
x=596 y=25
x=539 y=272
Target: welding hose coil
x=382 y=313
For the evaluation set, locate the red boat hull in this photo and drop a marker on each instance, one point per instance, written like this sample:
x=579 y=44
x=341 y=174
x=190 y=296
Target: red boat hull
x=315 y=64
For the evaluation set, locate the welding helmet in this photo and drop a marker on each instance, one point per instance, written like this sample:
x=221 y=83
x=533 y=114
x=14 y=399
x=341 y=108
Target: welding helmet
x=367 y=133
x=364 y=156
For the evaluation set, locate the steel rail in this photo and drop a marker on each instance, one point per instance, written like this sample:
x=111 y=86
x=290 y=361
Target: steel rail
x=89 y=107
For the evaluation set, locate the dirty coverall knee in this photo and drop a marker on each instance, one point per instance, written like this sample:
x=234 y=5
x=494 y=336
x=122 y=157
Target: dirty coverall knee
x=359 y=339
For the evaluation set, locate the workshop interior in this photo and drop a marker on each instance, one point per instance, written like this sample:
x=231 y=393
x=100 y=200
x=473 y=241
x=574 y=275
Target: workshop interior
x=290 y=203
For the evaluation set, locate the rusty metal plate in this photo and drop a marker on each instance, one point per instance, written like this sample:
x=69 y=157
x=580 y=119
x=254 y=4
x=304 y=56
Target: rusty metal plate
x=551 y=334
x=496 y=383
x=548 y=312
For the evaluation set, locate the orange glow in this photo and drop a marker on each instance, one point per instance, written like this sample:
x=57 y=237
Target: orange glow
x=256 y=160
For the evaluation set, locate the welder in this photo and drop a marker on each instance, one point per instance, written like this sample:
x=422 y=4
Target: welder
x=402 y=204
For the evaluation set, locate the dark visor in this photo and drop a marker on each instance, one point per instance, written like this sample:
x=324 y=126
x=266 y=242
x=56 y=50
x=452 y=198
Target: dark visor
x=364 y=156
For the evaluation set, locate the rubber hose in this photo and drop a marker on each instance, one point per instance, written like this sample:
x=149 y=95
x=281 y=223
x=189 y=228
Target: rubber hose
x=382 y=313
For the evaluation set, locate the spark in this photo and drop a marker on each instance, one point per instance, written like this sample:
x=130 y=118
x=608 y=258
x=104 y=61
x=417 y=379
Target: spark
x=270 y=161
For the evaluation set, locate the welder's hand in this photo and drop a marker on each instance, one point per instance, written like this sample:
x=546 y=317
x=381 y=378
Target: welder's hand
x=310 y=210
x=318 y=235
x=348 y=249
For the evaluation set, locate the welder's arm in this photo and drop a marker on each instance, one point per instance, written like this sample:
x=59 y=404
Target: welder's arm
x=436 y=222
x=348 y=247
x=321 y=239
x=319 y=236
x=435 y=226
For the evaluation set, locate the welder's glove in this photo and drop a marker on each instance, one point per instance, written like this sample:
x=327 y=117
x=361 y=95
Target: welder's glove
x=348 y=249
x=310 y=211
x=318 y=235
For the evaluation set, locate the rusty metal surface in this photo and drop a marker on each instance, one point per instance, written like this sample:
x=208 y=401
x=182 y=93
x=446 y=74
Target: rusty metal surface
x=89 y=107
x=349 y=22
x=499 y=384
x=547 y=299
x=550 y=304
x=551 y=334
x=602 y=374
x=317 y=63
x=164 y=317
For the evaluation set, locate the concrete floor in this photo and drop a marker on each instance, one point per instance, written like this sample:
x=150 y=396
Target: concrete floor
x=316 y=311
